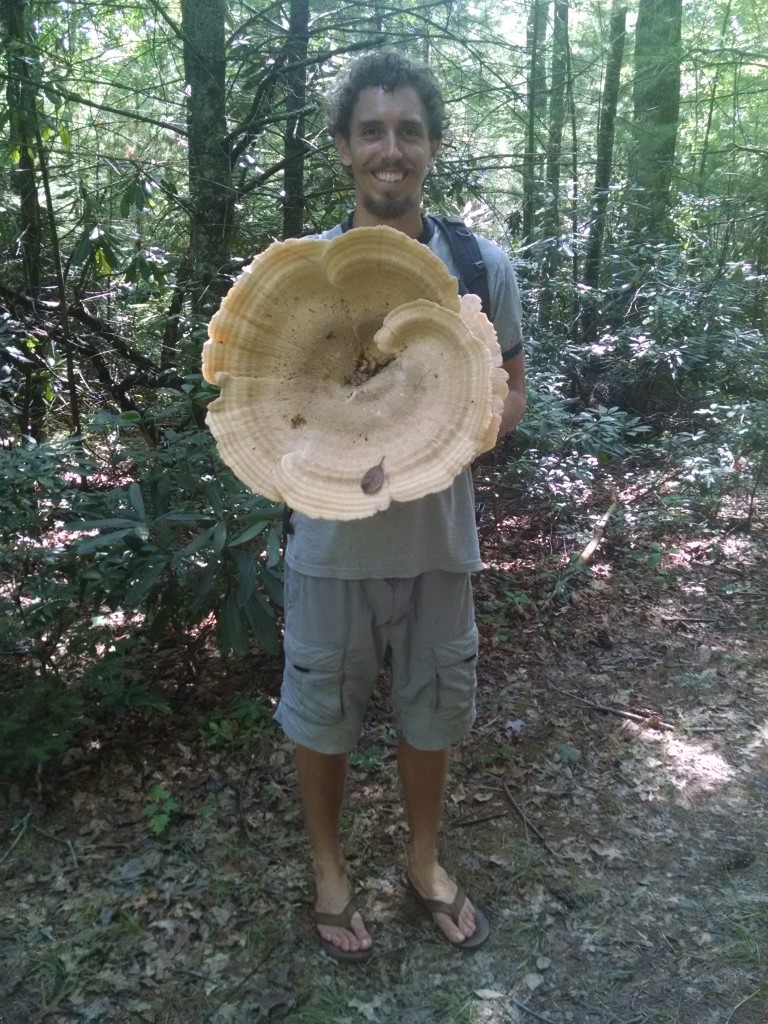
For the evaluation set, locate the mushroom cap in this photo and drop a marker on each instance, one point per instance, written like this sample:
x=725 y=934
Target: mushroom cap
x=351 y=374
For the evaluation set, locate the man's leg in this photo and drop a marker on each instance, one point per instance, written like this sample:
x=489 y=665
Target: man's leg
x=322 y=782
x=423 y=775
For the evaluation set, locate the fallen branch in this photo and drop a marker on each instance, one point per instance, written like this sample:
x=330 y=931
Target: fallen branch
x=597 y=536
x=64 y=842
x=738 y=1005
x=22 y=830
x=529 y=825
x=527 y=1009
x=480 y=820
x=654 y=721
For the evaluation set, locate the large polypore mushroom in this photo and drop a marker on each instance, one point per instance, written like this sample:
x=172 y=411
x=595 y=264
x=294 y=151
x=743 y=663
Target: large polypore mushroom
x=351 y=374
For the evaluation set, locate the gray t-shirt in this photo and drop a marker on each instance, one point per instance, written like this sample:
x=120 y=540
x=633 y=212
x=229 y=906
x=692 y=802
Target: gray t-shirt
x=437 y=531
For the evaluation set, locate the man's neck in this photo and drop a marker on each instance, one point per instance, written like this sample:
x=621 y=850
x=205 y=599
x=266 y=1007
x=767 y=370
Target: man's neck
x=411 y=224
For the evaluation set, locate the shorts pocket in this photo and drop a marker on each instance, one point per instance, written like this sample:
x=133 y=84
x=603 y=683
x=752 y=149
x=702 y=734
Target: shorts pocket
x=456 y=670
x=313 y=680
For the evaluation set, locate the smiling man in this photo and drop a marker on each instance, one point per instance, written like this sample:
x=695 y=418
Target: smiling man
x=394 y=588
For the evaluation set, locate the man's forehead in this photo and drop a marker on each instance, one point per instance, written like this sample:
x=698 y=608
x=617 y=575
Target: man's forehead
x=402 y=104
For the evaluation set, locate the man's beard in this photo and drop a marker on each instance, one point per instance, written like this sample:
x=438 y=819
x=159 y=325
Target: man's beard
x=390 y=207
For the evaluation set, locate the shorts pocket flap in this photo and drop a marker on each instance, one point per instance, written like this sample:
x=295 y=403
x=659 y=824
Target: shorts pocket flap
x=463 y=648
x=313 y=657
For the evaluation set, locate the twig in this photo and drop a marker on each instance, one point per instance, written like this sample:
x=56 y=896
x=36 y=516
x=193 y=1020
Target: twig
x=242 y=822
x=64 y=842
x=480 y=820
x=22 y=830
x=527 y=1009
x=597 y=536
x=243 y=981
x=654 y=720
x=528 y=824
x=681 y=618
x=736 y=1007
x=706 y=728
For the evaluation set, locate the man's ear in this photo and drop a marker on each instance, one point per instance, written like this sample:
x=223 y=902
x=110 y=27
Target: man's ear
x=342 y=148
x=434 y=147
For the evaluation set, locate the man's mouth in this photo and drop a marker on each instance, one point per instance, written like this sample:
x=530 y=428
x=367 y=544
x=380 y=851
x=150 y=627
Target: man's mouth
x=389 y=177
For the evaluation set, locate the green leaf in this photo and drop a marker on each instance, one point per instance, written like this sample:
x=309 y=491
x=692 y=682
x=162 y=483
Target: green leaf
x=138 y=590
x=82 y=249
x=104 y=540
x=136 y=499
x=252 y=531
x=183 y=517
x=100 y=524
x=273 y=584
x=263 y=624
x=194 y=545
x=219 y=537
x=232 y=627
x=160 y=490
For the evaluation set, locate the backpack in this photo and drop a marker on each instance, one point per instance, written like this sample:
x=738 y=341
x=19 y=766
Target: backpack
x=466 y=254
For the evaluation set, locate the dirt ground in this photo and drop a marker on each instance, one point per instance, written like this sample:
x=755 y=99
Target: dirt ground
x=608 y=812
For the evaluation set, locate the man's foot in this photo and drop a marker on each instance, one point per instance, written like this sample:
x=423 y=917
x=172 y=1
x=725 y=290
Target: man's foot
x=462 y=924
x=339 y=924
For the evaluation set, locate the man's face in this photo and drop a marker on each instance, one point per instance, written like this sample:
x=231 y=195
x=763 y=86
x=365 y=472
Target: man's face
x=388 y=151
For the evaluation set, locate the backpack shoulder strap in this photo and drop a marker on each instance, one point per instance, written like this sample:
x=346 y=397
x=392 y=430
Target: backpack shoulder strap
x=466 y=252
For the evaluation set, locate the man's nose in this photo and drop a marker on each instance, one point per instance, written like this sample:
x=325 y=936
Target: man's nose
x=391 y=142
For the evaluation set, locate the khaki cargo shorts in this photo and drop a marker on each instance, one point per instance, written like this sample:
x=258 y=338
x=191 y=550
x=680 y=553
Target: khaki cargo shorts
x=339 y=633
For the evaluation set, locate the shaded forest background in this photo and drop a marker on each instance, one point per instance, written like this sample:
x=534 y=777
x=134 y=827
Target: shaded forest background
x=148 y=150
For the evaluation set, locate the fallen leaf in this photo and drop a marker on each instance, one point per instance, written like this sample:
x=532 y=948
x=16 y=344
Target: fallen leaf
x=488 y=993
x=610 y=853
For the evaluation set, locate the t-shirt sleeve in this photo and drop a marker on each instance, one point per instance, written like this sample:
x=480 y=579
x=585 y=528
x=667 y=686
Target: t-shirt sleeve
x=506 y=308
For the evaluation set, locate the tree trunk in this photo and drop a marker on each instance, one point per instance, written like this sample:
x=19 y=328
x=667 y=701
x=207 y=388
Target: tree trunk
x=294 y=145
x=210 y=173
x=606 y=130
x=656 y=99
x=21 y=93
x=554 y=157
x=536 y=106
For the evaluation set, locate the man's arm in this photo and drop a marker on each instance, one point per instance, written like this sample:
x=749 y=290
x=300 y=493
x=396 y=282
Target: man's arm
x=514 y=405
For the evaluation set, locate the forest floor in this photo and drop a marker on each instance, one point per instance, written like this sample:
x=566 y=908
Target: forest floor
x=608 y=811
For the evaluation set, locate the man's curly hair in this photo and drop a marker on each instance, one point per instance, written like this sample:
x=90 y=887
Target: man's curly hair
x=390 y=71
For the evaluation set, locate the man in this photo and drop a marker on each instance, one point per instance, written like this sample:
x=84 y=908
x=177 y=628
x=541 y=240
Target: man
x=395 y=586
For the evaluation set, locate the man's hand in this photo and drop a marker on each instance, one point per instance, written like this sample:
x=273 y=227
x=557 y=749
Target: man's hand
x=515 y=403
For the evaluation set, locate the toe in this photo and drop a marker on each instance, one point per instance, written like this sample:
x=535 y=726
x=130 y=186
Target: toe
x=361 y=934
x=351 y=941
x=466 y=923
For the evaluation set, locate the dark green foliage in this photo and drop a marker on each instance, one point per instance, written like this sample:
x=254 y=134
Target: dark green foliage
x=184 y=539
x=181 y=542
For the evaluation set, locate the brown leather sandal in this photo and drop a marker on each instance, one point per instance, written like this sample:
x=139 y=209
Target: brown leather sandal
x=342 y=920
x=452 y=910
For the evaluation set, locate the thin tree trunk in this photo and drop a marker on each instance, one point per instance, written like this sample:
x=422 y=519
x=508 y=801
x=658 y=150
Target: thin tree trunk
x=210 y=175
x=535 y=116
x=712 y=98
x=74 y=404
x=294 y=144
x=554 y=157
x=606 y=131
x=21 y=93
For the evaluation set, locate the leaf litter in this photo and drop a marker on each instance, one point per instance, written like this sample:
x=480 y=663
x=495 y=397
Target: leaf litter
x=608 y=812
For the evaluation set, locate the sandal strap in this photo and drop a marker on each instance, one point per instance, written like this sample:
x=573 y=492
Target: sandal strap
x=341 y=920
x=451 y=909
